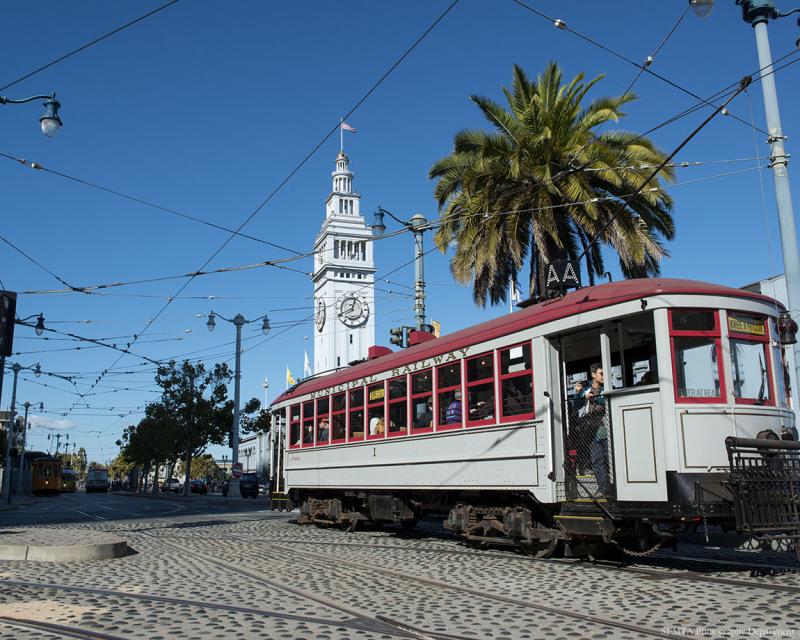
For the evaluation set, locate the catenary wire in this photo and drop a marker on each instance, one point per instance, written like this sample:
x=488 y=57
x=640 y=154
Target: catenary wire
x=302 y=163
x=87 y=45
x=564 y=26
x=653 y=55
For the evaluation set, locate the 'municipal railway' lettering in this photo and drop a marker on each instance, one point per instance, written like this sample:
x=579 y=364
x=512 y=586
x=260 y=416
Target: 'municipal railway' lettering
x=411 y=368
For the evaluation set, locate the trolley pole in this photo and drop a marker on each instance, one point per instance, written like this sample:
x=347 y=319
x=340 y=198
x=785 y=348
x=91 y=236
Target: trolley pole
x=16 y=368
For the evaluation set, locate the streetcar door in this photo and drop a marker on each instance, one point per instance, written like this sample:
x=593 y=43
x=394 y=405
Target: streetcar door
x=633 y=401
x=586 y=436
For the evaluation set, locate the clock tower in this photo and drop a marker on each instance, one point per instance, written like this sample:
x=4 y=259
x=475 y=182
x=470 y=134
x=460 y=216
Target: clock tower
x=344 y=277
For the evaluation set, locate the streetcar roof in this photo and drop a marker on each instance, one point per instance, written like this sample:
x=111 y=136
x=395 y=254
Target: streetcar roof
x=575 y=302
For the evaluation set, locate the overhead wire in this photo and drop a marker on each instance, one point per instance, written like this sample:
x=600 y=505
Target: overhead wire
x=651 y=58
x=39 y=167
x=87 y=45
x=302 y=162
x=561 y=24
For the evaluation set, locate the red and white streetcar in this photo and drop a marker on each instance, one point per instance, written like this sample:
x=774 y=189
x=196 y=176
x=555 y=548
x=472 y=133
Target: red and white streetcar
x=617 y=413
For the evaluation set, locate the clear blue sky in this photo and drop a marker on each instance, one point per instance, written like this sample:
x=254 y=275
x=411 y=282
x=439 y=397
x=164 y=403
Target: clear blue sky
x=207 y=106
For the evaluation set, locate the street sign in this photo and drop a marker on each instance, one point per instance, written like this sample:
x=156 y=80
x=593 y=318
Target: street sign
x=236 y=469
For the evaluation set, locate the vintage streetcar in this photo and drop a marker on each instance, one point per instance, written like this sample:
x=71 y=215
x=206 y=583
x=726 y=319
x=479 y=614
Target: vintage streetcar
x=46 y=474
x=618 y=414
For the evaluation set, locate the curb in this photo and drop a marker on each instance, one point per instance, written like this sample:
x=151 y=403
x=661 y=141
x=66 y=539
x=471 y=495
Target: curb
x=64 y=553
x=199 y=499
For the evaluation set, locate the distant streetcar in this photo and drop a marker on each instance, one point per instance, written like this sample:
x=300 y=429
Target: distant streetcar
x=47 y=475
x=620 y=413
x=69 y=480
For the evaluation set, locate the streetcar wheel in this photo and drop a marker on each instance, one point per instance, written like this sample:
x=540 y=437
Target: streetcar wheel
x=537 y=548
x=348 y=525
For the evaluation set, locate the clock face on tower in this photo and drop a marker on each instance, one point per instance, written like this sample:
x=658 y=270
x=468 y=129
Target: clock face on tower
x=320 y=314
x=353 y=311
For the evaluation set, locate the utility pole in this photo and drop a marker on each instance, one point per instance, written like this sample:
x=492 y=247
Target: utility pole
x=189 y=425
x=758 y=13
x=16 y=368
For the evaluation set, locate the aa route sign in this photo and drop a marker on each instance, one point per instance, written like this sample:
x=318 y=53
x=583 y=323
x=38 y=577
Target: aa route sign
x=236 y=469
x=563 y=274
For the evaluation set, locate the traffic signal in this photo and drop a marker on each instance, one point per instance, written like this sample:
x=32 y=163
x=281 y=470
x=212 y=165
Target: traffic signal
x=396 y=336
x=8 y=310
x=787 y=328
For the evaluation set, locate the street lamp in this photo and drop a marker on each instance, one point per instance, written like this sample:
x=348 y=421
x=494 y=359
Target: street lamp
x=16 y=368
x=238 y=321
x=50 y=121
x=758 y=13
x=417 y=225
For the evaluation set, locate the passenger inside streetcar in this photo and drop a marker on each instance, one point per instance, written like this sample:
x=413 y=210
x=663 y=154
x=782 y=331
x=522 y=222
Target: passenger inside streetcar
x=453 y=413
x=424 y=414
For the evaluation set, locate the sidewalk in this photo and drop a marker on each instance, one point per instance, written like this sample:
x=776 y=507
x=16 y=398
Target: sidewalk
x=16 y=502
x=207 y=499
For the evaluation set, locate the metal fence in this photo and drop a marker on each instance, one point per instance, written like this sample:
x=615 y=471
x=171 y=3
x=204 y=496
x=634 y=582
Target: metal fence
x=765 y=484
x=587 y=455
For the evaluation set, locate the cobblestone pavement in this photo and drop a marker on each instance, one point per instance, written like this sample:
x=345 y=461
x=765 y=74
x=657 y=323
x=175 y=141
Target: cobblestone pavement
x=210 y=570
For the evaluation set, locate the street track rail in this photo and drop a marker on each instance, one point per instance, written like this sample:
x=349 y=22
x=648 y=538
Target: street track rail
x=378 y=623
x=67 y=631
x=193 y=603
x=616 y=624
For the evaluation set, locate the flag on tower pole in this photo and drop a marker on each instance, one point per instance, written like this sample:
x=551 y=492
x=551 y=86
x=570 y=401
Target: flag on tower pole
x=515 y=296
x=343 y=126
x=306 y=365
x=289 y=378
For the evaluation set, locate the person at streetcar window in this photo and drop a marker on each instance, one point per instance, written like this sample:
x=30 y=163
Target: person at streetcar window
x=454 y=409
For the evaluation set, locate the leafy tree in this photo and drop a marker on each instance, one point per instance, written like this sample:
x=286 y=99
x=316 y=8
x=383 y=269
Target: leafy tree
x=119 y=467
x=80 y=463
x=254 y=419
x=202 y=467
x=186 y=418
x=543 y=184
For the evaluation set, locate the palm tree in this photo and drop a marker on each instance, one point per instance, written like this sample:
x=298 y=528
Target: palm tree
x=545 y=182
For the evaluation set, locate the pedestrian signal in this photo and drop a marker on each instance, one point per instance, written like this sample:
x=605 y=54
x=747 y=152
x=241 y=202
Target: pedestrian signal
x=8 y=310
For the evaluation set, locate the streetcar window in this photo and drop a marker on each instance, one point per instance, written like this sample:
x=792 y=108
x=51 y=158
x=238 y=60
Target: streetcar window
x=294 y=426
x=633 y=351
x=398 y=410
x=376 y=394
x=448 y=383
x=480 y=389
x=323 y=421
x=750 y=364
x=696 y=354
x=339 y=418
x=516 y=381
x=693 y=320
x=357 y=413
x=422 y=400
x=308 y=423
x=696 y=368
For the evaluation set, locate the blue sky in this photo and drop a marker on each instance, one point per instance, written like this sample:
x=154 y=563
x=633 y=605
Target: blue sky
x=206 y=107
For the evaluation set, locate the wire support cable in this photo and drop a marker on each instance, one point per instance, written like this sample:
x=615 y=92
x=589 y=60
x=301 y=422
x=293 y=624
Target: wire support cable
x=88 y=44
x=301 y=164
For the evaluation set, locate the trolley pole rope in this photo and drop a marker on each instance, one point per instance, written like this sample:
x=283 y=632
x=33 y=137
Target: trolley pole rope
x=743 y=84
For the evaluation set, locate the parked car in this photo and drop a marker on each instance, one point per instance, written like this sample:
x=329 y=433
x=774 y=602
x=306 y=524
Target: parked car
x=248 y=486
x=172 y=485
x=198 y=486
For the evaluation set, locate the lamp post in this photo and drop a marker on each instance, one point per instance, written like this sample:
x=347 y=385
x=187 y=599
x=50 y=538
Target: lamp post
x=16 y=368
x=417 y=225
x=238 y=321
x=22 y=465
x=49 y=121
x=758 y=13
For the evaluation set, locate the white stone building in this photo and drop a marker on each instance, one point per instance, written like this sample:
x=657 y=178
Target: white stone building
x=344 y=298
